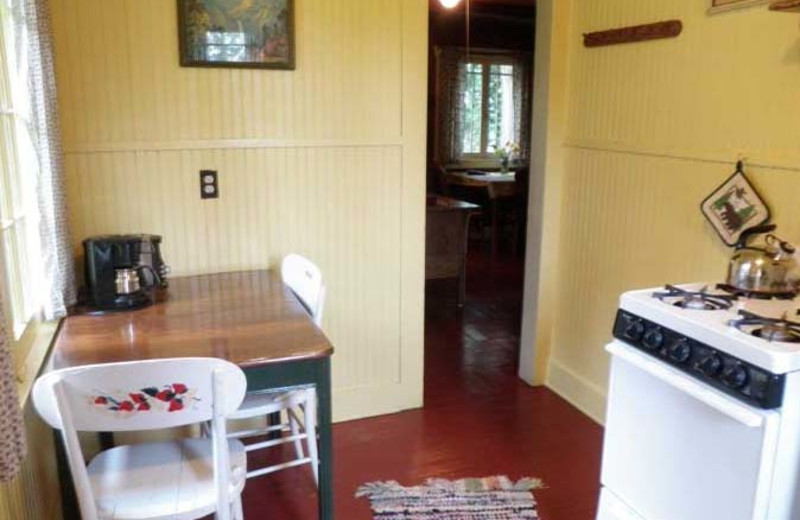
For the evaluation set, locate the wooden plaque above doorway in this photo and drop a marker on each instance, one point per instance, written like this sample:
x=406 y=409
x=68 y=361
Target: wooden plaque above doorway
x=636 y=33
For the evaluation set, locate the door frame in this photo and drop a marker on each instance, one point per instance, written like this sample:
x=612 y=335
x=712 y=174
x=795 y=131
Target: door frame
x=550 y=81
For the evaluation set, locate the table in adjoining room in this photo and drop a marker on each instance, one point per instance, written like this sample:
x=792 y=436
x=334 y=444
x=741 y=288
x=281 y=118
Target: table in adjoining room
x=497 y=186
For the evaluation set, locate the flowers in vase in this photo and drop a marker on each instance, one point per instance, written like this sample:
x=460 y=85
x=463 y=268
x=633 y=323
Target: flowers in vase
x=507 y=154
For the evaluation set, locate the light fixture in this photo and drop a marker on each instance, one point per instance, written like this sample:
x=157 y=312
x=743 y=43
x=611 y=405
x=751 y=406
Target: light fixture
x=449 y=4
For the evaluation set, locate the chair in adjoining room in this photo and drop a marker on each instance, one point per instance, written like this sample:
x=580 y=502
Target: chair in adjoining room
x=304 y=278
x=182 y=479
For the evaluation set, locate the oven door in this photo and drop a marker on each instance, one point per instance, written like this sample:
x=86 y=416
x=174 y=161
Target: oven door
x=676 y=449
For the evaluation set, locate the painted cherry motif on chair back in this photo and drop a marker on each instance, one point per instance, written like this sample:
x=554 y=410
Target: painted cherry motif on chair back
x=139 y=395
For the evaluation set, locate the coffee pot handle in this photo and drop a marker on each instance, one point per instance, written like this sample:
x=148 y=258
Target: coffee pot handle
x=155 y=274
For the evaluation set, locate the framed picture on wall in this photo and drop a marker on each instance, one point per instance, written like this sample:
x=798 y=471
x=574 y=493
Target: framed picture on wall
x=237 y=33
x=721 y=6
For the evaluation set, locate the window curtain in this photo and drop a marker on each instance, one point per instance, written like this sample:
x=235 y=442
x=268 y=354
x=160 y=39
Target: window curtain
x=12 y=431
x=58 y=261
x=522 y=104
x=13 y=447
x=32 y=48
x=450 y=75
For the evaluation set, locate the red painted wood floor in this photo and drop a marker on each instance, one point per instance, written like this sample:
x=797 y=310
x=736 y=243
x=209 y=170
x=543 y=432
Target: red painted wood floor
x=478 y=419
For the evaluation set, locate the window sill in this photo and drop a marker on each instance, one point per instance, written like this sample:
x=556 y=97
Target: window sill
x=30 y=354
x=473 y=165
x=483 y=164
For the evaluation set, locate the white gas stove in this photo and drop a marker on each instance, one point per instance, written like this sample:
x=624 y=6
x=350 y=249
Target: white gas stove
x=703 y=419
x=713 y=327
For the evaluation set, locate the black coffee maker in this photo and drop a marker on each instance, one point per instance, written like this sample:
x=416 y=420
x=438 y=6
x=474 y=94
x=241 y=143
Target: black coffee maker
x=123 y=272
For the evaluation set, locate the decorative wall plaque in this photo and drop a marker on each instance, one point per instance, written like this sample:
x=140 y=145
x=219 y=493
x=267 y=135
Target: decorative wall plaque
x=637 y=33
x=734 y=207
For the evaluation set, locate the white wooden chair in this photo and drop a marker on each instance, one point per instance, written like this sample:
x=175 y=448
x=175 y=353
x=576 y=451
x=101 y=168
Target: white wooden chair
x=305 y=280
x=179 y=480
x=300 y=404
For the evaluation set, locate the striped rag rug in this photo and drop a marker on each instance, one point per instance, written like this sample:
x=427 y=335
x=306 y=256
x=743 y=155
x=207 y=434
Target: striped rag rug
x=490 y=498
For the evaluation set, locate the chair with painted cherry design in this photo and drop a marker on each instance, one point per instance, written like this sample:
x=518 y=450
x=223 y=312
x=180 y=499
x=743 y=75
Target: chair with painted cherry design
x=178 y=480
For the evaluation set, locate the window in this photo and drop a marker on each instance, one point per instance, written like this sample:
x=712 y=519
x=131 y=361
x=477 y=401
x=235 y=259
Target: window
x=487 y=115
x=482 y=103
x=20 y=251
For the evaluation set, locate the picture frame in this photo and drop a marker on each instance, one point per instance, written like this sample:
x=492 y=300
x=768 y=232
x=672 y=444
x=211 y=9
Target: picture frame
x=724 y=6
x=253 y=34
x=734 y=207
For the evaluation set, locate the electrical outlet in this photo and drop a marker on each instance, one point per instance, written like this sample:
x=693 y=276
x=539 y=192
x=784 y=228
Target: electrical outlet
x=209 y=188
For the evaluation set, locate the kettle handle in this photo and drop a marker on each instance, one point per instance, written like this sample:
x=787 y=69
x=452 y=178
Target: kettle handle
x=755 y=230
x=785 y=246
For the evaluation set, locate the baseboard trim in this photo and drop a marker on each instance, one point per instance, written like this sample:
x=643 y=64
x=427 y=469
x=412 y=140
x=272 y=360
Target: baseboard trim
x=579 y=392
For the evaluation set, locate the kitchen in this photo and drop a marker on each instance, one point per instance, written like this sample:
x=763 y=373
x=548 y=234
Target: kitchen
x=628 y=141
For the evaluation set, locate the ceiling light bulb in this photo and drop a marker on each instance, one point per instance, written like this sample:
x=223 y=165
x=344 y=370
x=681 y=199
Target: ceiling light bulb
x=449 y=4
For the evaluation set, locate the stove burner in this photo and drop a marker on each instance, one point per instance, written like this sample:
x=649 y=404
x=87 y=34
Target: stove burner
x=700 y=300
x=755 y=295
x=771 y=329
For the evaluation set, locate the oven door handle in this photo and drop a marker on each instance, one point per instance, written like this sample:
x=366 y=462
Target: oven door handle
x=725 y=405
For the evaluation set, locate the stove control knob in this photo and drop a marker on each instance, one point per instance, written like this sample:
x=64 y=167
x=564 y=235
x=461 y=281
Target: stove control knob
x=710 y=365
x=634 y=330
x=680 y=351
x=654 y=338
x=735 y=376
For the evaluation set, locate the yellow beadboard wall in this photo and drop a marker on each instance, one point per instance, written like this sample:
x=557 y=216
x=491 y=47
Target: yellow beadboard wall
x=652 y=128
x=327 y=161
x=119 y=78
x=34 y=494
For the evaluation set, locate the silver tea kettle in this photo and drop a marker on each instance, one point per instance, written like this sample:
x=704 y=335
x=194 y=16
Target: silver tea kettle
x=771 y=269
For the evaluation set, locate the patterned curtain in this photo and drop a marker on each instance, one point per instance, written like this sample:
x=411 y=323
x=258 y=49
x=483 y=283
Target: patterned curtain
x=12 y=431
x=13 y=445
x=522 y=104
x=58 y=261
x=450 y=75
x=32 y=47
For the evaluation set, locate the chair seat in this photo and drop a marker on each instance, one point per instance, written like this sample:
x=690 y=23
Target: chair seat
x=257 y=404
x=173 y=480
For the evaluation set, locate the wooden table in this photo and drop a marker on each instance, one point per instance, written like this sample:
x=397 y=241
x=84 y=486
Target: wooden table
x=496 y=186
x=446 y=239
x=249 y=318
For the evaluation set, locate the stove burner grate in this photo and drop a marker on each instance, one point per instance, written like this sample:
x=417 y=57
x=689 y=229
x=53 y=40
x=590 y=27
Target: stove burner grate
x=697 y=300
x=755 y=295
x=780 y=330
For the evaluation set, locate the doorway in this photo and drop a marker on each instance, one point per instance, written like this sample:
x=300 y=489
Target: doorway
x=479 y=120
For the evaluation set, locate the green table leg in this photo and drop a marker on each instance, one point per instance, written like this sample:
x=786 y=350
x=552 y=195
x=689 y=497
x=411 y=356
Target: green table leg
x=325 y=441
x=69 y=500
x=318 y=373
